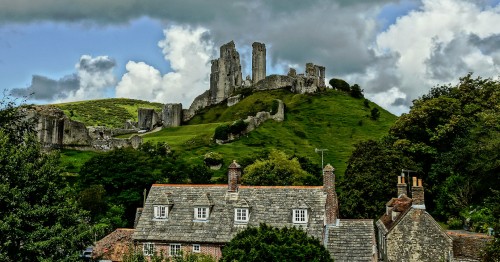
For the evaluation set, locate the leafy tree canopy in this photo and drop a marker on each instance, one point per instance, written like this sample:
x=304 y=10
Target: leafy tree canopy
x=267 y=243
x=39 y=218
x=277 y=170
x=451 y=137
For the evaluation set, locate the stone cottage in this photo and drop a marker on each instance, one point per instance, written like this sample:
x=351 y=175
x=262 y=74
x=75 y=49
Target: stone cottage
x=406 y=232
x=203 y=218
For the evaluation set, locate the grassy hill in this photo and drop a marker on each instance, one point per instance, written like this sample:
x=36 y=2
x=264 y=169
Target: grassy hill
x=111 y=112
x=330 y=120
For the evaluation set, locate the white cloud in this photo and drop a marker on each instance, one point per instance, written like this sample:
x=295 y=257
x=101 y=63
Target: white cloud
x=438 y=43
x=189 y=52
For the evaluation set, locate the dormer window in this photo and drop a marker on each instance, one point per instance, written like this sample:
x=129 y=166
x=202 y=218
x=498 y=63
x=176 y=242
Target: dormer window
x=201 y=213
x=241 y=215
x=300 y=216
x=160 y=212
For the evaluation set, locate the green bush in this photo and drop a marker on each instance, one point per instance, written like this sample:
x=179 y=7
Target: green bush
x=213 y=159
x=274 y=107
x=454 y=223
x=237 y=127
x=222 y=132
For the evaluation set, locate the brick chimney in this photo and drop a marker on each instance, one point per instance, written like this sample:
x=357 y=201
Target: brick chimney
x=402 y=186
x=417 y=193
x=331 y=206
x=233 y=176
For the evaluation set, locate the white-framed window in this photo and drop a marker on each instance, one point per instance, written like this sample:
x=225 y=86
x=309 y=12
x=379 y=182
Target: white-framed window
x=148 y=249
x=196 y=248
x=300 y=216
x=160 y=212
x=175 y=250
x=241 y=214
x=201 y=213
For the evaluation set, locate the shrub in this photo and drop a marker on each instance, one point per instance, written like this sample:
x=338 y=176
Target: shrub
x=213 y=159
x=366 y=103
x=222 y=132
x=375 y=113
x=238 y=127
x=356 y=91
x=339 y=84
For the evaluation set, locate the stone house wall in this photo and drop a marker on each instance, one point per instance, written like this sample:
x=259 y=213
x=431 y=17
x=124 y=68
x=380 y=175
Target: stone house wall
x=417 y=237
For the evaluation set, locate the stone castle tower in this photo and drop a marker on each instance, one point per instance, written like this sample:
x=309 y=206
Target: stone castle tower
x=258 y=62
x=225 y=74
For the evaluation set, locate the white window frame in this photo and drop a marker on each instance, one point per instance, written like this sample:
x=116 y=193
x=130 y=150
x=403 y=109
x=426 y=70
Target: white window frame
x=148 y=249
x=300 y=216
x=175 y=250
x=196 y=248
x=160 y=212
x=201 y=213
x=241 y=215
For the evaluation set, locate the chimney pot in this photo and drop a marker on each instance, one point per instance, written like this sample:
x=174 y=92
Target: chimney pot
x=414 y=181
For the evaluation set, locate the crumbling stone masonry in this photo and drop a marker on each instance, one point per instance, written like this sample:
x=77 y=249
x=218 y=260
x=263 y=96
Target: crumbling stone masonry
x=258 y=62
x=147 y=118
x=225 y=76
x=172 y=115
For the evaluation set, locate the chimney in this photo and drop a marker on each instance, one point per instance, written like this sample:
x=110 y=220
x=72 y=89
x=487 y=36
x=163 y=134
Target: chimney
x=417 y=193
x=331 y=206
x=233 y=176
x=402 y=186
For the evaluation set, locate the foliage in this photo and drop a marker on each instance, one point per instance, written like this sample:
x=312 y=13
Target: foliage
x=374 y=113
x=277 y=169
x=222 y=132
x=123 y=174
x=370 y=179
x=492 y=252
x=274 y=107
x=366 y=103
x=356 y=91
x=39 y=217
x=200 y=174
x=267 y=243
x=339 y=84
x=237 y=127
x=451 y=137
x=212 y=158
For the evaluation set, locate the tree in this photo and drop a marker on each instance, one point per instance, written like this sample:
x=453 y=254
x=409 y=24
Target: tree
x=370 y=179
x=277 y=169
x=374 y=113
x=339 y=84
x=356 y=91
x=267 y=243
x=200 y=174
x=39 y=217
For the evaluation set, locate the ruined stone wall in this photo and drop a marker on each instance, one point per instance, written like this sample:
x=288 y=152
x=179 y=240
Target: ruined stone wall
x=275 y=82
x=225 y=76
x=199 y=103
x=114 y=143
x=258 y=62
x=417 y=237
x=147 y=118
x=55 y=129
x=172 y=115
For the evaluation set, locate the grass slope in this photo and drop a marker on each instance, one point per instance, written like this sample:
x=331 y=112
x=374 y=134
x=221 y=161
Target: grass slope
x=111 y=112
x=330 y=120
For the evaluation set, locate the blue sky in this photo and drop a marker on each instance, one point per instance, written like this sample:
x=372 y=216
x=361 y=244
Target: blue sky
x=161 y=50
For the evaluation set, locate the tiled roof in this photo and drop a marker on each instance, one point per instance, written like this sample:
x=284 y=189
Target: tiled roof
x=352 y=240
x=401 y=205
x=270 y=205
x=114 y=245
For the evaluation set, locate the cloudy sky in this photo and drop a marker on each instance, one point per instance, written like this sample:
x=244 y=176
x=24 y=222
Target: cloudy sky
x=160 y=50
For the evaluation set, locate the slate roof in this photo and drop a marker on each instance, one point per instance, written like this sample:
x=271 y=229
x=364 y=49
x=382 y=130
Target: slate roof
x=272 y=205
x=352 y=240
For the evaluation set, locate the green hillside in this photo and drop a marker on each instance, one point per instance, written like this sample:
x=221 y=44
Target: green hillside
x=329 y=120
x=111 y=112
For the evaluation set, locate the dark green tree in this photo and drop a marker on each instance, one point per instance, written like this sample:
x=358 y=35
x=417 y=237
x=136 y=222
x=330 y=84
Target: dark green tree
x=374 y=113
x=340 y=84
x=370 y=179
x=200 y=174
x=267 y=243
x=277 y=169
x=356 y=91
x=39 y=217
